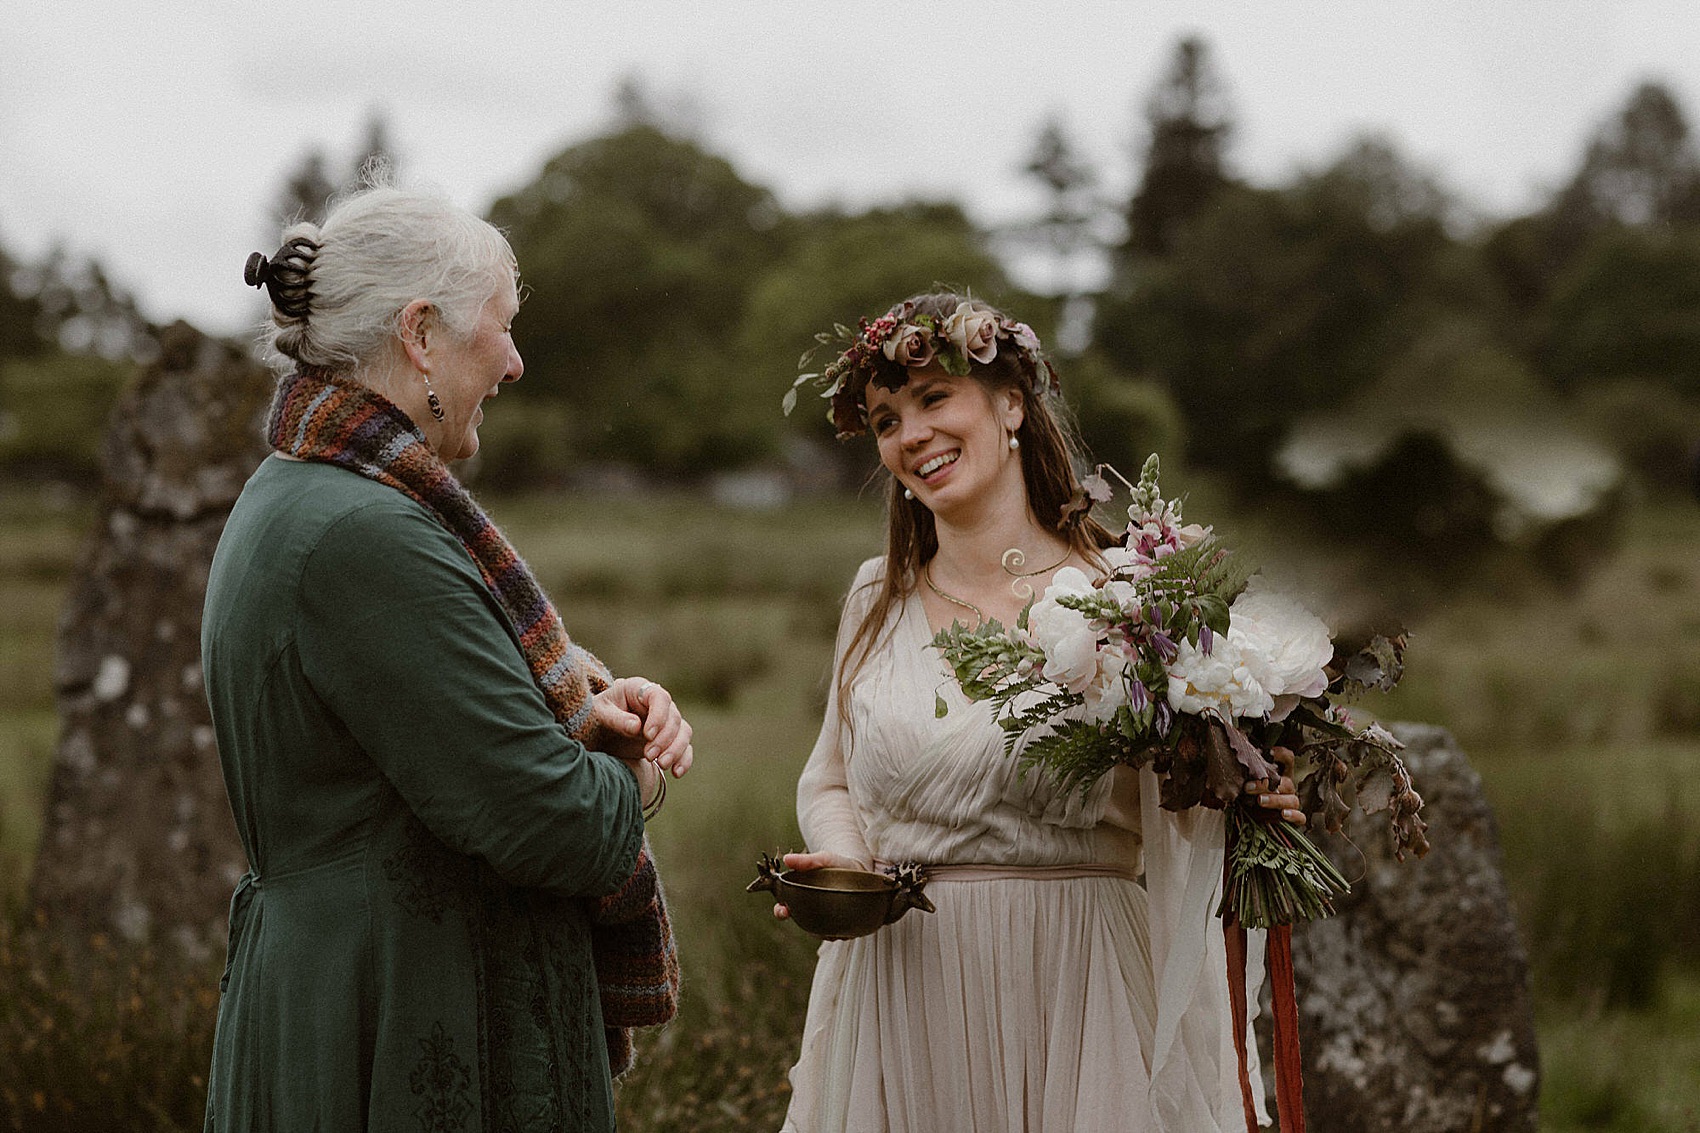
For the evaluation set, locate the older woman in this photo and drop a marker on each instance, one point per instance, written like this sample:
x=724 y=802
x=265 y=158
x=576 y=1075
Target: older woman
x=451 y=913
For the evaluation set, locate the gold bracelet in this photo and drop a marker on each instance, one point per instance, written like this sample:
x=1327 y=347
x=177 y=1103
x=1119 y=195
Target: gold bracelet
x=653 y=807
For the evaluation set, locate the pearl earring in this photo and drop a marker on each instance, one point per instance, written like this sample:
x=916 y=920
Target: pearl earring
x=1014 y=442
x=907 y=494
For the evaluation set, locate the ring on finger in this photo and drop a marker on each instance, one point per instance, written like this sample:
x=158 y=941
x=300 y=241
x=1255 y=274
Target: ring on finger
x=643 y=692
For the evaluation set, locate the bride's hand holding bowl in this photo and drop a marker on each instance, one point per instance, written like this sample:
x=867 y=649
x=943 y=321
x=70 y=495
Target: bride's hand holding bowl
x=821 y=860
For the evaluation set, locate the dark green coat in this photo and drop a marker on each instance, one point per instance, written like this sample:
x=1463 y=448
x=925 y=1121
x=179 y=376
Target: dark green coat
x=410 y=950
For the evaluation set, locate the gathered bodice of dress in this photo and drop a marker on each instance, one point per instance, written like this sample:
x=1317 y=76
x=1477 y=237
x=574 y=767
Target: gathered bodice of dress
x=943 y=790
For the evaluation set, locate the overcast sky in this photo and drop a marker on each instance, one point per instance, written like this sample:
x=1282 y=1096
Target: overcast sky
x=156 y=136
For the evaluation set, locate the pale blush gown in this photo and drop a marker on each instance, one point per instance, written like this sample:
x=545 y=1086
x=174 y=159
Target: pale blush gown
x=1066 y=1006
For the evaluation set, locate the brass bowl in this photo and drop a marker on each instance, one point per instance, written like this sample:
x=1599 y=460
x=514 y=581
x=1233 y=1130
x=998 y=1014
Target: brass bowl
x=839 y=904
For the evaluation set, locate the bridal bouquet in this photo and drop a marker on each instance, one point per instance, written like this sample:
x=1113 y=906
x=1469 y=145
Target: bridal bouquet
x=1178 y=659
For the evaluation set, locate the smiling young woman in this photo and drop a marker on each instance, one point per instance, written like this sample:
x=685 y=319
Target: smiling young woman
x=947 y=440
x=1049 y=990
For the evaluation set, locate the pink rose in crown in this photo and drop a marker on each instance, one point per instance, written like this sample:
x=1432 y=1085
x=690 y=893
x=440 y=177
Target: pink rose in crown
x=910 y=346
x=974 y=331
x=1023 y=336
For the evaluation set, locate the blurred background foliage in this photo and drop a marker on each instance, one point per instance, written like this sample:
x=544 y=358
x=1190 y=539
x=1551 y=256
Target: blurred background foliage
x=1314 y=340
x=1483 y=426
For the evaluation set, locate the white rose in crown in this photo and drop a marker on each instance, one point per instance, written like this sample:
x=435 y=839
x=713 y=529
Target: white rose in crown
x=973 y=331
x=1285 y=646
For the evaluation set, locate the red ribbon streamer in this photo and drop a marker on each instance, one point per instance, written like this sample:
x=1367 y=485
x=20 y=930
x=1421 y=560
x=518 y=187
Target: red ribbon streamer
x=1234 y=934
x=1289 y=1071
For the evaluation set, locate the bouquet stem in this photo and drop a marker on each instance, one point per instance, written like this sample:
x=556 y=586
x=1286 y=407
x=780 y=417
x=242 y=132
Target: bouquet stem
x=1276 y=876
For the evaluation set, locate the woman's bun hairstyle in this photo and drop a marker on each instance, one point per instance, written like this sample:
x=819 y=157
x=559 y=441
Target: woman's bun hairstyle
x=337 y=289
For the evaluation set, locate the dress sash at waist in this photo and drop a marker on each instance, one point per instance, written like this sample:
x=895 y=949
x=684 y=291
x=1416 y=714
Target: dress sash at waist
x=975 y=871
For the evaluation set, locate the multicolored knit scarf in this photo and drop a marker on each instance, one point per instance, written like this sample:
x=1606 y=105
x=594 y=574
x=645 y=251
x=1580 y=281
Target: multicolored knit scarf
x=320 y=417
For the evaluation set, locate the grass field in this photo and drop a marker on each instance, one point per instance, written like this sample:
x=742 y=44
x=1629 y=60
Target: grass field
x=1579 y=709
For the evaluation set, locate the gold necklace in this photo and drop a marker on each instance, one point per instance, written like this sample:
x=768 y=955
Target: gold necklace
x=1015 y=558
x=927 y=574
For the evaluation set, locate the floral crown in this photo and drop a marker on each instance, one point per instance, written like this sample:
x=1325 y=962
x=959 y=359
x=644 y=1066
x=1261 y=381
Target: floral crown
x=903 y=339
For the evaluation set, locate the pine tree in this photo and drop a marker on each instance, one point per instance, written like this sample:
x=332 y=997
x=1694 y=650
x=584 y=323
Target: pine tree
x=1185 y=160
x=306 y=191
x=1641 y=169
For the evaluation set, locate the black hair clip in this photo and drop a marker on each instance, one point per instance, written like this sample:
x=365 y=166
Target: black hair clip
x=287 y=276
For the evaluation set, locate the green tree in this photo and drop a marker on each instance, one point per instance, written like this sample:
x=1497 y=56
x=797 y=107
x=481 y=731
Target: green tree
x=639 y=251
x=306 y=191
x=1189 y=124
x=1628 y=308
x=1068 y=233
x=20 y=314
x=1276 y=302
x=841 y=268
x=1067 y=229
x=1639 y=170
x=309 y=189
x=80 y=308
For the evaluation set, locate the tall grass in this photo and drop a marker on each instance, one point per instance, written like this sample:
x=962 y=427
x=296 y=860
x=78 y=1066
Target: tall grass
x=100 y=1036
x=1579 y=710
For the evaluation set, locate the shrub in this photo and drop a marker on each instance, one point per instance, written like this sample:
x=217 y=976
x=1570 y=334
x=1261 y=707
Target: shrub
x=99 y=1035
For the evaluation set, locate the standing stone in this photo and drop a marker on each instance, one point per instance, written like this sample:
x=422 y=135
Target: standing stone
x=1414 y=1003
x=138 y=840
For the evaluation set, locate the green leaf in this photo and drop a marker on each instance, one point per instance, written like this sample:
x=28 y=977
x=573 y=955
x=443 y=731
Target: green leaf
x=789 y=401
x=940 y=708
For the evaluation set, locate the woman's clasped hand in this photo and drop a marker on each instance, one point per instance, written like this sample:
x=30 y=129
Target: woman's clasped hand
x=637 y=721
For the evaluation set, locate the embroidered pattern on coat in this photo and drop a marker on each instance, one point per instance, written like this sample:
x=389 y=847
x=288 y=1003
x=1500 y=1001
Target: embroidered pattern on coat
x=424 y=873
x=442 y=1082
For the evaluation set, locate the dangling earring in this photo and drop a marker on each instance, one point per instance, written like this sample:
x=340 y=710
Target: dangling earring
x=1014 y=442
x=437 y=406
x=907 y=494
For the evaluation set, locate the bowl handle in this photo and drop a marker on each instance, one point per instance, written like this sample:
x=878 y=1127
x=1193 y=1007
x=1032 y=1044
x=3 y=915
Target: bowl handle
x=767 y=876
x=911 y=879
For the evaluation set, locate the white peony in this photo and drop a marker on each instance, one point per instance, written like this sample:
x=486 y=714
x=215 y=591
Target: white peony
x=1072 y=660
x=1220 y=680
x=1108 y=688
x=1283 y=644
x=1070 y=645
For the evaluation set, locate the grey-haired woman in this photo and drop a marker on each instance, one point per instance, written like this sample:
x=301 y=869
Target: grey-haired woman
x=451 y=915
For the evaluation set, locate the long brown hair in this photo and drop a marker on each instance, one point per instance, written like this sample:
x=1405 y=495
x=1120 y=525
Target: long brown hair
x=1049 y=451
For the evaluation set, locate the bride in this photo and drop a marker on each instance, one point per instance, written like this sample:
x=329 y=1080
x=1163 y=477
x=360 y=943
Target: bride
x=1050 y=990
